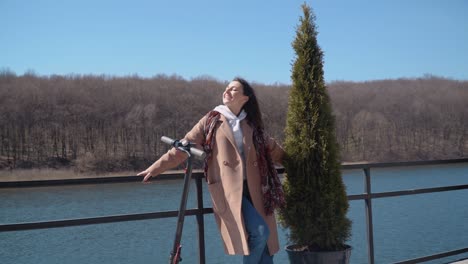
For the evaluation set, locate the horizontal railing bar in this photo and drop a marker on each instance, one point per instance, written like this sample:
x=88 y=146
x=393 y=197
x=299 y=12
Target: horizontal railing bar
x=355 y=197
x=433 y=257
x=172 y=175
x=176 y=175
x=407 y=192
x=364 y=165
x=420 y=191
x=46 y=183
x=97 y=220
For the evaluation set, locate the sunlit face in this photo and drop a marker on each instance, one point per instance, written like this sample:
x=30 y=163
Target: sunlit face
x=234 y=95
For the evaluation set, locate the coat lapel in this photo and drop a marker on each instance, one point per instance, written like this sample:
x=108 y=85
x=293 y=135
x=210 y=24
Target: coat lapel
x=247 y=133
x=227 y=131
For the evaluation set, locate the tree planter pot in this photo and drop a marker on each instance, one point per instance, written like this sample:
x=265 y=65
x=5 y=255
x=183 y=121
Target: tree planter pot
x=318 y=257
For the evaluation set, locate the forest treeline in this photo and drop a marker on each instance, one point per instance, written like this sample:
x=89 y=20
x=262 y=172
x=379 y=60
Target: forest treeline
x=104 y=123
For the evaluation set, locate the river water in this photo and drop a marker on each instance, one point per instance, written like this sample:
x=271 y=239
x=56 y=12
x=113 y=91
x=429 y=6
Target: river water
x=404 y=227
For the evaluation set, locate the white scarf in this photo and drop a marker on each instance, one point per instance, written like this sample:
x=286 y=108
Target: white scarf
x=234 y=123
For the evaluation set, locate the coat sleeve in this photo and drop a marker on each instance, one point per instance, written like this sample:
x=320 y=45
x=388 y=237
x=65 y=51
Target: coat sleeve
x=276 y=151
x=174 y=157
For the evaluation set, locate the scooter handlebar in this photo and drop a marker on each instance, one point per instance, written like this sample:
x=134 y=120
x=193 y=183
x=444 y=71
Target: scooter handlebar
x=176 y=143
x=168 y=140
x=198 y=153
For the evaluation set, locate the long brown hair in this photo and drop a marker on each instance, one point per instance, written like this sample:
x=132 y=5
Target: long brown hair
x=251 y=107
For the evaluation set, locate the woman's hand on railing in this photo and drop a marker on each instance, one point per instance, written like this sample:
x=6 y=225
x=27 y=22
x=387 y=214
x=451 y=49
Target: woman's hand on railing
x=148 y=173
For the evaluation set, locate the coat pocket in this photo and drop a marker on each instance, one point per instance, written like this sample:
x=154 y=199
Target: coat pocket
x=217 y=197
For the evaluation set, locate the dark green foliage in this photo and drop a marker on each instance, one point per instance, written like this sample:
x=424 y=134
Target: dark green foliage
x=315 y=195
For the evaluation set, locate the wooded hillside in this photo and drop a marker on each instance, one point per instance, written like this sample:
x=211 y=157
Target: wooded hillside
x=102 y=123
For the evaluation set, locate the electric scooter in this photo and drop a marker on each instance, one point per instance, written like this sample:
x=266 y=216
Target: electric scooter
x=188 y=149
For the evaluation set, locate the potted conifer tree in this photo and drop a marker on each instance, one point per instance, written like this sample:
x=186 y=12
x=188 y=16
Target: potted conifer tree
x=316 y=201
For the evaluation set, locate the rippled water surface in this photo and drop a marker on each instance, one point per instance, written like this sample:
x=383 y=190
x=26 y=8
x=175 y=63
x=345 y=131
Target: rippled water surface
x=404 y=227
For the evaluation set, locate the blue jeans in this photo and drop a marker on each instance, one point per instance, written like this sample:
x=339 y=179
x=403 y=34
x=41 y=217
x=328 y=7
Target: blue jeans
x=258 y=233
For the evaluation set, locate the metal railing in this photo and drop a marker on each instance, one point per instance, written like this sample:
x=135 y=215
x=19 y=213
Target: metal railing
x=368 y=195
x=200 y=211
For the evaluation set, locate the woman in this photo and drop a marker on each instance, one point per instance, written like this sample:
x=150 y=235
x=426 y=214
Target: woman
x=242 y=180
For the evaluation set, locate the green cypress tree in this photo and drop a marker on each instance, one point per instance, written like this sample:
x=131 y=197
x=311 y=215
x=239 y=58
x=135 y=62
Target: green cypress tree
x=316 y=202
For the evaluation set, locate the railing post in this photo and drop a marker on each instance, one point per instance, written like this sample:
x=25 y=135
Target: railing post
x=369 y=225
x=200 y=219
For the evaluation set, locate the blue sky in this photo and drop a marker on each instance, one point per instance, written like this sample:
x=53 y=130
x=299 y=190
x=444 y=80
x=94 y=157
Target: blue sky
x=362 y=40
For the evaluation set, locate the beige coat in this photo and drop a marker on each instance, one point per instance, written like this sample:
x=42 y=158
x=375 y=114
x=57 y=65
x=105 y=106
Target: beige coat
x=225 y=182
